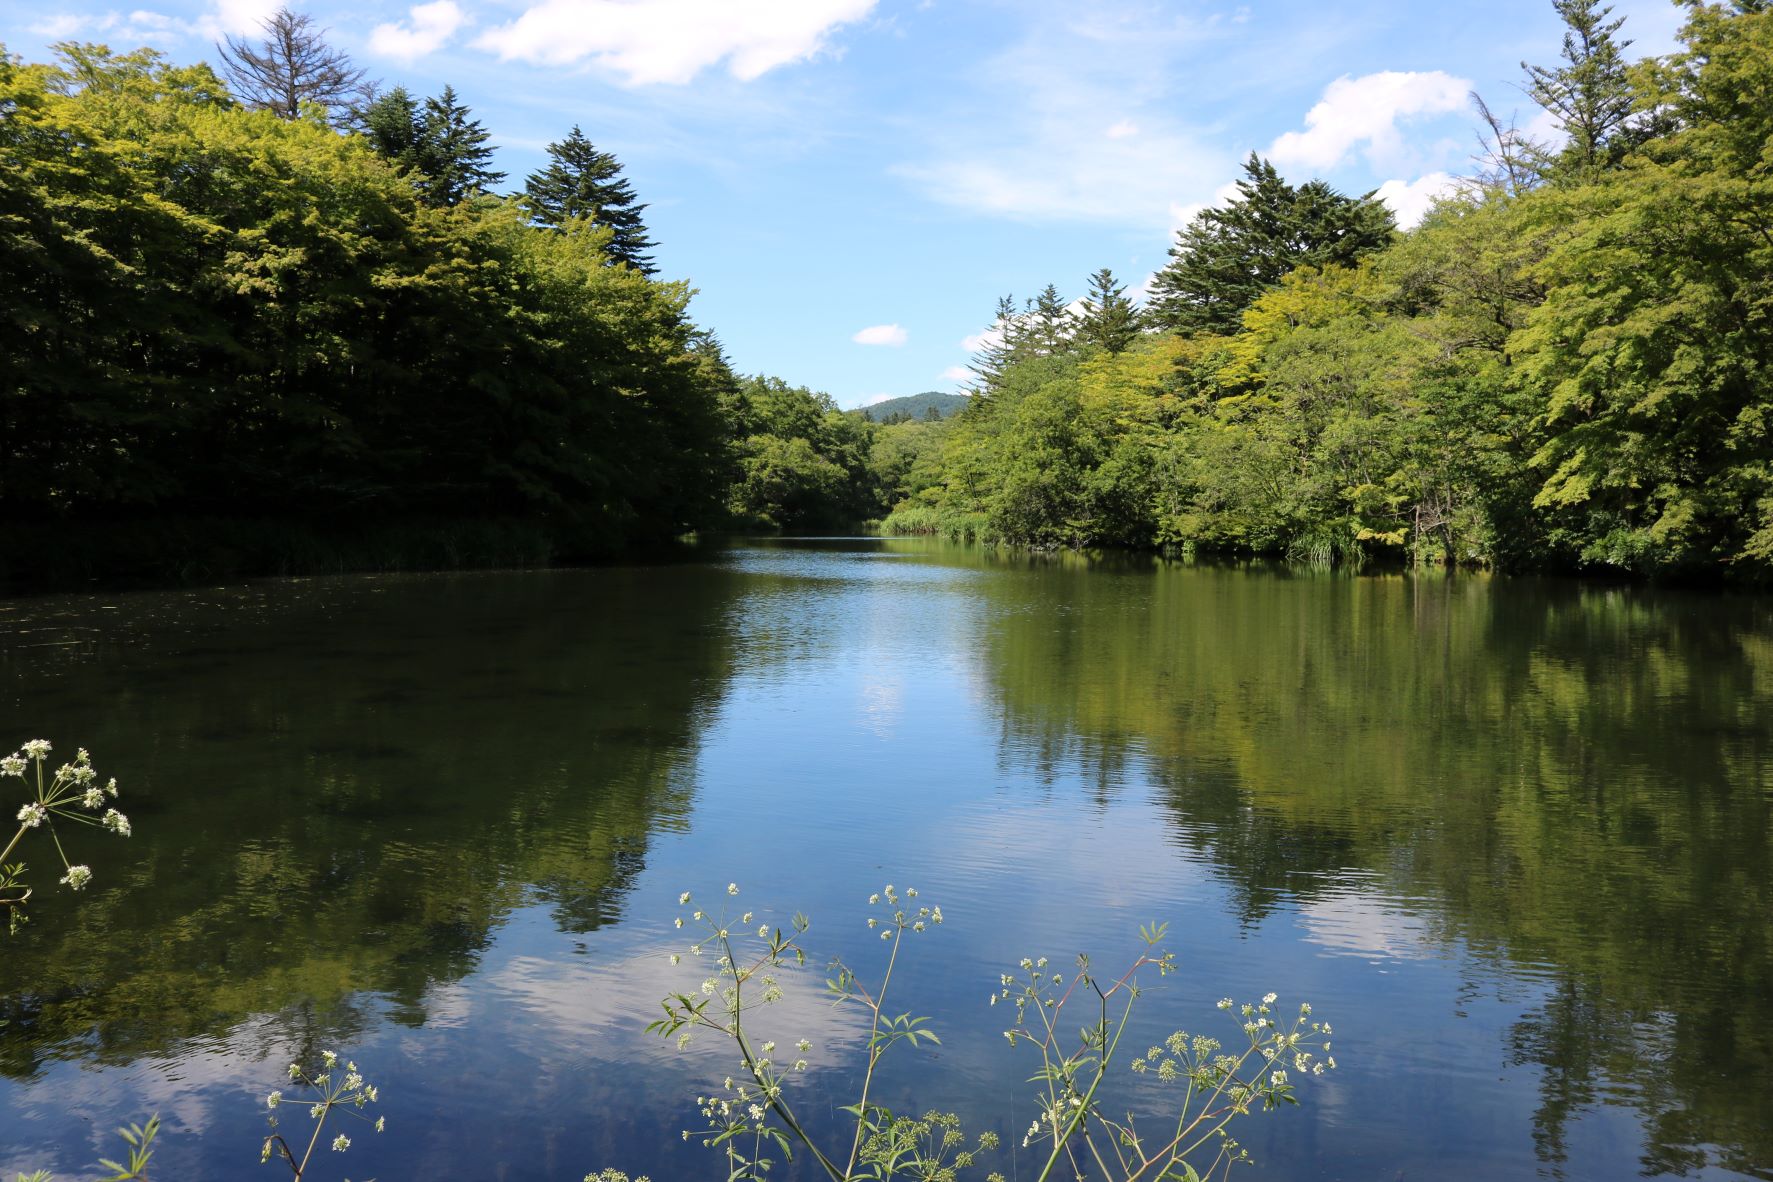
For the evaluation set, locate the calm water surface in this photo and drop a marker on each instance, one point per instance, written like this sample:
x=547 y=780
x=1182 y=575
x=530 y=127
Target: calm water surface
x=1514 y=838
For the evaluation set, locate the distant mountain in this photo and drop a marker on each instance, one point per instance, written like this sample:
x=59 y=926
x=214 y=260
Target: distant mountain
x=914 y=406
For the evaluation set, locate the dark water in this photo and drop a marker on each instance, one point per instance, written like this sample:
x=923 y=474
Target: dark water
x=1514 y=838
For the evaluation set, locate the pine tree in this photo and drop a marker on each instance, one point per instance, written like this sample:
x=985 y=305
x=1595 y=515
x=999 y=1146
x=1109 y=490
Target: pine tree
x=391 y=125
x=451 y=152
x=1226 y=257
x=291 y=67
x=1109 y=322
x=581 y=182
x=438 y=143
x=1002 y=345
x=1051 y=326
x=1590 y=95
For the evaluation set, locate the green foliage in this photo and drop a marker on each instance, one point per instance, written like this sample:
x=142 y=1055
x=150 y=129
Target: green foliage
x=1556 y=375
x=802 y=463
x=436 y=143
x=1589 y=95
x=215 y=306
x=1227 y=256
x=581 y=182
x=139 y=1138
x=1109 y=321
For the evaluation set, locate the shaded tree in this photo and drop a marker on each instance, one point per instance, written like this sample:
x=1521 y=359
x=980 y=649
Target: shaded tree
x=453 y=154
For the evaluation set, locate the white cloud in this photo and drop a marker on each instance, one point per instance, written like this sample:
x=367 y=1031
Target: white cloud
x=881 y=334
x=1121 y=130
x=1366 y=110
x=652 y=41
x=430 y=28
x=144 y=26
x=992 y=337
x=237 y=16
x=957 y=373
x=1411 y=200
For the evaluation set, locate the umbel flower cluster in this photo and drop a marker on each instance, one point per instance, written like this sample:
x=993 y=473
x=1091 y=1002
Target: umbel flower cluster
x=320 y=1091
x=71 y=793
x=1197 y=1086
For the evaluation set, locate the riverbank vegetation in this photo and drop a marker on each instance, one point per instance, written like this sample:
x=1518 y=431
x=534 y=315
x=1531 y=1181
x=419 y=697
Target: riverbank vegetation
x=1565 y=366
x=280 y=300
x=215 y=307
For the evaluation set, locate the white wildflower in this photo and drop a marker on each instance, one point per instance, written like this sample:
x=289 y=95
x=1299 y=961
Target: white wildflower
x=77 y=877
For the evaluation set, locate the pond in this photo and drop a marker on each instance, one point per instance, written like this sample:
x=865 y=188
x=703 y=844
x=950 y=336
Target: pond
x=1514 y=838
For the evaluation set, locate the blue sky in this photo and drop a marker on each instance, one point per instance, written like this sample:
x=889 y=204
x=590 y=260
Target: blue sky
x=851 y=184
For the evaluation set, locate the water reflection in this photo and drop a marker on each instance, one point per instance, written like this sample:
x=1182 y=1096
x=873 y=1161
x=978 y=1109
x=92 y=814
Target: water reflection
x=1561 y=776
x=1516 y=834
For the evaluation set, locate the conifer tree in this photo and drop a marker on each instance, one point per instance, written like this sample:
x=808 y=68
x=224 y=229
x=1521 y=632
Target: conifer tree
x=1002 y=345
x=1590 y=94
x=582 y=182
x=444 y=149
x=1226 y=257
x=452 y=153
x=391 y=125
x=1051 y=326
x=1109 y=322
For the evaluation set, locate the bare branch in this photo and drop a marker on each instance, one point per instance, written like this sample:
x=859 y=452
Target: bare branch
x=292 y=66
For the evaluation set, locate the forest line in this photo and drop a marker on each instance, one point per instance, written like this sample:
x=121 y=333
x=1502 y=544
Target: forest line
x=270 y=293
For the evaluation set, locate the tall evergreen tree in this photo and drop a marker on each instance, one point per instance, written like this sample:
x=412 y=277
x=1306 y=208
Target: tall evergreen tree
x=290 y=66
x=452 y=152
x=1226 y=257
x=444 y=149
x=1109 y=322
x=1002 y=344
x=582 y=182
x=391 y=125
x=1590 y=94
x=1051 y=326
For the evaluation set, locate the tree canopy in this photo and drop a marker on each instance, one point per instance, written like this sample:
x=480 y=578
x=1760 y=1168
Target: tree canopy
x=1565 y=366
x=1229 y=255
